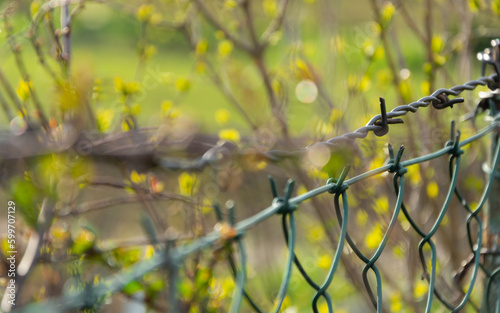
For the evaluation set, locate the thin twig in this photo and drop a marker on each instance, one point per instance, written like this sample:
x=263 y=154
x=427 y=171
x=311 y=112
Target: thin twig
x=218 y=24
x=245 y=5
x=97 y=205
x=65 y=32
x=12 y=95
x=5 y=108
x=24 y=74
x=275 y=24
x=411 y=22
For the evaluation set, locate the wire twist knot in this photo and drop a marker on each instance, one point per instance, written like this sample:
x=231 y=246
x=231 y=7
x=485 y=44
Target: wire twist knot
x=454 y=142
x=283 y=203
x=395 y=162
x=339 y=186
x=285 y=206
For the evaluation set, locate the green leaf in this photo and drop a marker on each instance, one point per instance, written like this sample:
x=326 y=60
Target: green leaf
x=25 y=195
x=475 y=5
x=437 y=44
x=156 y=286
x=186 y=289
x=202 y=278
x=132 y=287
x=495 y=6
x=83 y=241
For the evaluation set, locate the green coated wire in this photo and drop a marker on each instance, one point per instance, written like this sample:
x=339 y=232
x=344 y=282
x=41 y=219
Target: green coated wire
x=491 y=278
x=474 y=214
x=423 y=235
x=289 y=263
x=296 y=260
x=287 y=205
x=359 y=254
x=237 y=274
x=383 y=243
x=247 y=296
x=340 y=247
x=427 y=239
x=496 y=160
x=240 y=280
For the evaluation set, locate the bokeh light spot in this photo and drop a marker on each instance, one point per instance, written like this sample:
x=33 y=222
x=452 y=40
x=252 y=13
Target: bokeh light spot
x=306 y=91
x=18 y=125
x=318 y=154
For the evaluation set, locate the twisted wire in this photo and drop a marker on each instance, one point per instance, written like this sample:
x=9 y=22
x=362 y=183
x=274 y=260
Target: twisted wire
x=439 y=100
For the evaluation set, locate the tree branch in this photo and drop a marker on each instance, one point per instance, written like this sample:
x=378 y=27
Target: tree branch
x=214 y=21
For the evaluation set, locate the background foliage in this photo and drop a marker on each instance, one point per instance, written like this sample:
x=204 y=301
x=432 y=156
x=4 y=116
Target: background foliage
x=152 y=85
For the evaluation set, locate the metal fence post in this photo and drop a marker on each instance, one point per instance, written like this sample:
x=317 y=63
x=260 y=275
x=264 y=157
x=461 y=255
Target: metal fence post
x=491 y=299
x=492 y=225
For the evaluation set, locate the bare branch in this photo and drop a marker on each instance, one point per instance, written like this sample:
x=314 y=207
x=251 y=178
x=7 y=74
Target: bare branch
x=97 y=205
x=65 y=32
x=218 y=24
x=24 y=74
x=276 y=23
x=12 y=95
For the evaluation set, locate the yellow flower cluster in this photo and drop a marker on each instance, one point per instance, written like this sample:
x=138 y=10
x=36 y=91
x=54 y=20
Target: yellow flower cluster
x=146 y=14
x=126 y=88
x=230 y=134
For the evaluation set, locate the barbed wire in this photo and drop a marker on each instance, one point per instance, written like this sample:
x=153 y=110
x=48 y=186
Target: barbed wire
x=378 y=124
x=32 y=143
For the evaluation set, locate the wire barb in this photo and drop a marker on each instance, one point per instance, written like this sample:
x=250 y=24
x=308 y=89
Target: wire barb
x=384 y=122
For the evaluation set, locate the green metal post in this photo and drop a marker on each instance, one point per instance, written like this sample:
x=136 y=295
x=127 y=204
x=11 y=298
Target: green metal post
x=491 y=298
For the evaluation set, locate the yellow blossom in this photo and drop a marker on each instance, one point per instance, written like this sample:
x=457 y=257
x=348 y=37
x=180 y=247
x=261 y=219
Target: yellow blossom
x=104 y=119
x=315 y=234
x=420 y=289
x=144 y=12
x=374 y=238
x=150 y=51
x=201 y=47
x=381 y=205
x=335 y=116
x=35 y=6
x=225 y=48
x=126 y=88
x=387 y=12
x=432 y=190
x=361 y=218
x=149 y=252
x=182 y=84
x=270 y=7
x=324 y=261
x=187 y=183
x=230 y=4
x=23 y=90
x=396 y=303
x=137 y=178
x=230 y=134
x=222 y=116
